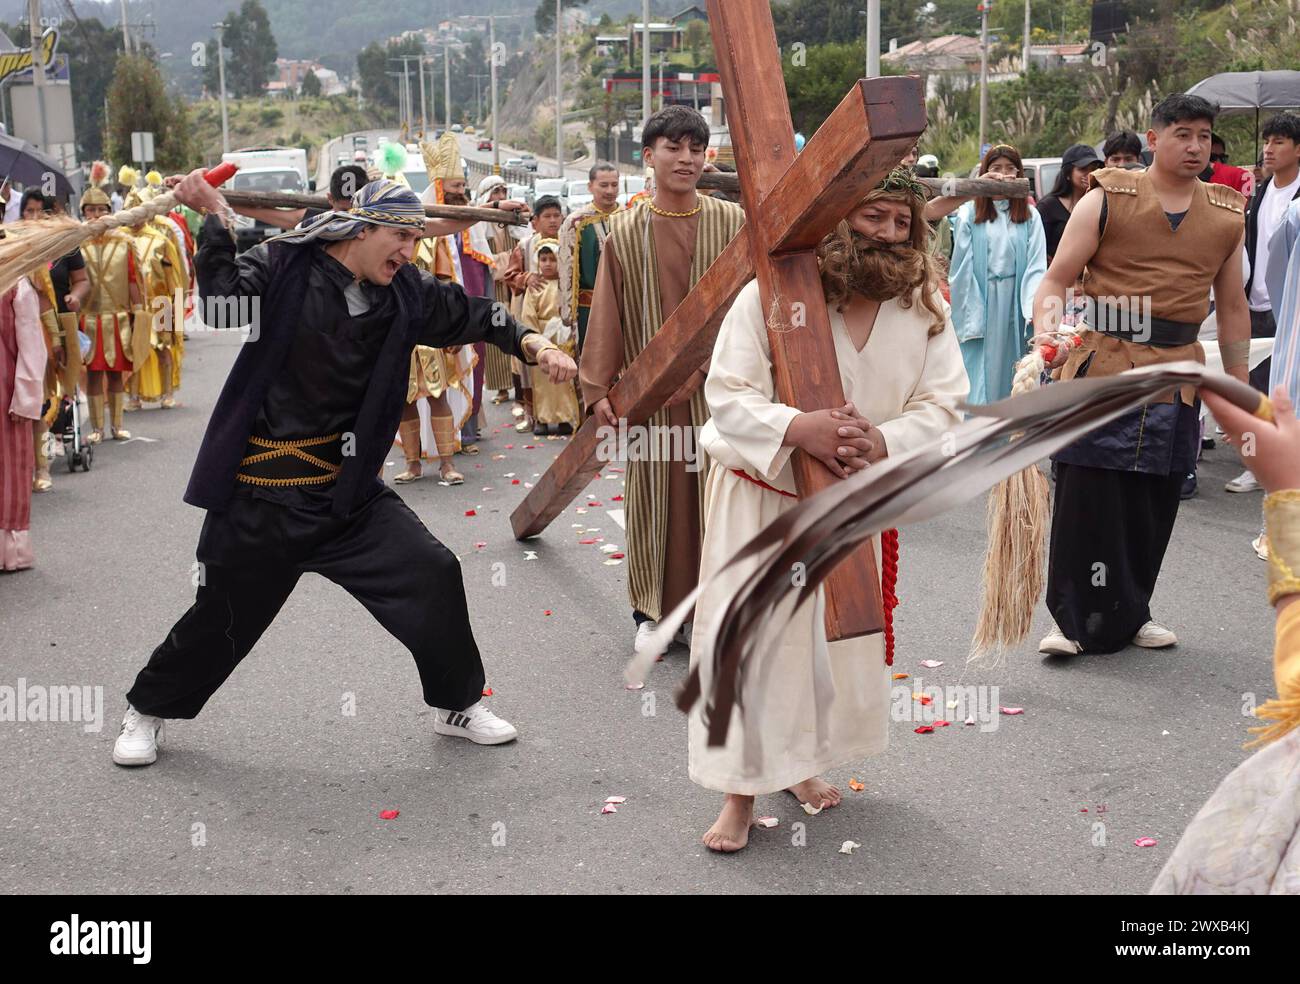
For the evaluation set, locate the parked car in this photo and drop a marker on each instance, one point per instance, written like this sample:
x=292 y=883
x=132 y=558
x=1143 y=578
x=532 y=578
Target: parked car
x=575 y=195
x=485 y=144
x=529 y=161
x=550 y=186
x=1041 y=172
x=632 y=184
x=470 y=131
x=457 y=128
x=515 y=162
x=520 y=193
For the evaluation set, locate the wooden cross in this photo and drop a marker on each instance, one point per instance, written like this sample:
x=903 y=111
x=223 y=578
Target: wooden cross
x=791 y=203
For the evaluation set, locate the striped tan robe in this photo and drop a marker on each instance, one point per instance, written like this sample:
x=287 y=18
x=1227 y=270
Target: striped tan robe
x=641 y=280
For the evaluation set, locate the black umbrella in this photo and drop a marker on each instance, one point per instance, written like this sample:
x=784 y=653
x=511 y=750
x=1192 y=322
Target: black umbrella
x=1246 y=92
x=22 y=163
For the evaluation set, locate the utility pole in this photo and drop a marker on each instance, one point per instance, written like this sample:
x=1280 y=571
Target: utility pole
x=221 y=79
x=1024 y=53
x=873 y=39
x=492 y=68
x=424 y=114
x=38 y=70
x=446 y=81
x=126 y=37
x=984 y=71
x=478 y=98
x=645 y=62
x=559 y=88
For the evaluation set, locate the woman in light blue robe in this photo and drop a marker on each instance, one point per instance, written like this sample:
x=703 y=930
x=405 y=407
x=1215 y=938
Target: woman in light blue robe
x=996 y=268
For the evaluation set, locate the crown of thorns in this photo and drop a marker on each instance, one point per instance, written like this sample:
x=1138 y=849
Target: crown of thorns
x=902 y=179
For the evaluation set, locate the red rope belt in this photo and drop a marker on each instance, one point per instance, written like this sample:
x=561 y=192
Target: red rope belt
x=888 y=566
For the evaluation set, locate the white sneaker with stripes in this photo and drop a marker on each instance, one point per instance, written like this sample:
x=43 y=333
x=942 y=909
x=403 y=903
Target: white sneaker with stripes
x=476 y=723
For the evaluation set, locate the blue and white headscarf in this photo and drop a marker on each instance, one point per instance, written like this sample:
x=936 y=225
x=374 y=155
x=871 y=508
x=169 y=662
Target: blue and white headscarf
x=380 y=202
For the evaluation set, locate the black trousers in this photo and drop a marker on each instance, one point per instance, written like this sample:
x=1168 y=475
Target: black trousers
x=1110 y=530
x=1262 y=325
x=252 y=556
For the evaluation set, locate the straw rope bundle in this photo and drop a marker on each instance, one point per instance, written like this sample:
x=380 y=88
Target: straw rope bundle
x=28 y=245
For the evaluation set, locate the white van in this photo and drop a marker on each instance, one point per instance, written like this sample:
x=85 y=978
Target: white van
x=272 y=169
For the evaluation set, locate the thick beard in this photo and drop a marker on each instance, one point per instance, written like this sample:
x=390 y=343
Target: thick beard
x=884 y=271
x=454 y=198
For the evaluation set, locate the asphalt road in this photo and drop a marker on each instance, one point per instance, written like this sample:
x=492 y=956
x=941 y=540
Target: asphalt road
x=275 y=788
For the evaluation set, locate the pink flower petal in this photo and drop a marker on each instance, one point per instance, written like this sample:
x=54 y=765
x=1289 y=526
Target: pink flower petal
x=1145 y=842
x=970 y=720
x=942 y=724
x=931 y=664
x=1012 y=710
x=487 y=691
x=388 y=814
x=609 y=808
x=616 y=800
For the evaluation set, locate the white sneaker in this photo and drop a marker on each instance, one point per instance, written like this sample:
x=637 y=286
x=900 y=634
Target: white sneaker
x=683 y=635
x=476 y=723
x=137 y=743
x=1245 y=482
x=1153 y=635
x=1260 y=543
x=643 y=632
x=1055 y=644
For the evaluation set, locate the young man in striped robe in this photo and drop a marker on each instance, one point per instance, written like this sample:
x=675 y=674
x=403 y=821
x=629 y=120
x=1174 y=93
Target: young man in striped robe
x=655 y=254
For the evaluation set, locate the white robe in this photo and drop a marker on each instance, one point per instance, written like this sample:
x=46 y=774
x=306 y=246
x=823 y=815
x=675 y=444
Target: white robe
x=906 y=383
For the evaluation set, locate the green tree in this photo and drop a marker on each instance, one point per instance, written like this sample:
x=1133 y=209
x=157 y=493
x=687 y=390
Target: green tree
x=544 y=16
x=816 y=87
x=310 y=86
x=138 y=100
x=699 y=42
x=251 y=62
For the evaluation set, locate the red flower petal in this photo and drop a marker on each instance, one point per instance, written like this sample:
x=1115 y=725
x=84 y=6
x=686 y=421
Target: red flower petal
x=547 y=612
x=924 y=729
x=470 y=512
x=588 y=540
x=388 y=814
x=615 y=498
x=480 y=545
x=509 y=447
x=595 y=503
x=942 y=724
x=514 y=481
x=617 y=556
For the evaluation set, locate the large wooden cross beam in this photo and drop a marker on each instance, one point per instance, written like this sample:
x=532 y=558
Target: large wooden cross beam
x=791 y=202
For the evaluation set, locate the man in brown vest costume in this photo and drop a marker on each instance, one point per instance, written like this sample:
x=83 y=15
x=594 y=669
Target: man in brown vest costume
x=1150 y=245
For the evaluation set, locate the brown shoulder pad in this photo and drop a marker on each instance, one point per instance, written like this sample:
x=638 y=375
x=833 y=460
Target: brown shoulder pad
x=1115 y=179
x=1225 y=197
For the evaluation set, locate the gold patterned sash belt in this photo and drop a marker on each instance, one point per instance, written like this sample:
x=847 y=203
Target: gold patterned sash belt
x=285 y=463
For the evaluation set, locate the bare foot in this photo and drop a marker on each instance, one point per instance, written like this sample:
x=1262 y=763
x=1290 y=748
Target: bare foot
x=816 y=793
x=730 y=832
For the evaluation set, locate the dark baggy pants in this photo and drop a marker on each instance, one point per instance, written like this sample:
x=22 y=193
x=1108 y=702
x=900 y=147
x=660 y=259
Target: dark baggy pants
x=1262 y=325
x=251 y=557
x=1110 y=530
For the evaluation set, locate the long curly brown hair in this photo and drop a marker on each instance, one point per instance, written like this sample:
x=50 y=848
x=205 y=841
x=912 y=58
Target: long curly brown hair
x=850 y=263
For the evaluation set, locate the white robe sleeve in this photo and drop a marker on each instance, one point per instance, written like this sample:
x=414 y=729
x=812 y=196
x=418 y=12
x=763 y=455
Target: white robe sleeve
x=741 y=393
x=967 y=292
x=928 y=412
x=1035 y=265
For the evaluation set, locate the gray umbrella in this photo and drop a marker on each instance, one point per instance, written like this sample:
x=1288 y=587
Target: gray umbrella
x=1249 y=92
x=22 y=163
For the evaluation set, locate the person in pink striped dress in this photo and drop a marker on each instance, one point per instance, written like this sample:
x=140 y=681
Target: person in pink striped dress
x=22 y=371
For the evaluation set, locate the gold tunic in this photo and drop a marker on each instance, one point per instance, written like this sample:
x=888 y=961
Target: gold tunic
x=108 y=307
